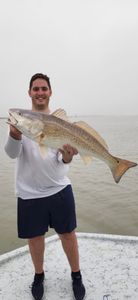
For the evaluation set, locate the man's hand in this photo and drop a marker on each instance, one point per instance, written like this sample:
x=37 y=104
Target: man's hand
x=15 y=133
x=67 y=153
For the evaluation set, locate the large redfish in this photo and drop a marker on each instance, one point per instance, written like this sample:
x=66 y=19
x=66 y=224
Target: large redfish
x=55 y=130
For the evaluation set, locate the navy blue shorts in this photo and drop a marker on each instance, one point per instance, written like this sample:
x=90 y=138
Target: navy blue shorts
x=35 y=216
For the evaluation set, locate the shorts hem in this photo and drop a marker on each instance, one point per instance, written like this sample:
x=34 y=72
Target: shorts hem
x=20 y=236
x=65 y=231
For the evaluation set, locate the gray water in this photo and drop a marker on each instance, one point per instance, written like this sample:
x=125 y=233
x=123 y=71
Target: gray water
x=102 y=205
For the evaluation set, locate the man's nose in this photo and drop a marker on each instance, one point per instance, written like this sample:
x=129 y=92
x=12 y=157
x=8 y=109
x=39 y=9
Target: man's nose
x=40 y=91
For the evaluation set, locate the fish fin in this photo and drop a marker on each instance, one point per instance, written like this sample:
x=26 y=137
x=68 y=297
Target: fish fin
x=87 y=159
x=39 y=137
x=120 y=167
x=61 y=113
x=42 y=147
x=91 y=131
x=43 y=150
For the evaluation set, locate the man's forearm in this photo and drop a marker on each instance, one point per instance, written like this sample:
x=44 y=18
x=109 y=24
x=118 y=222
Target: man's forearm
x=13 y=147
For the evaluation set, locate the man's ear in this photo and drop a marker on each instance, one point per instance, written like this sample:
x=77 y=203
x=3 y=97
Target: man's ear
x=50 y=92
x=29 y=93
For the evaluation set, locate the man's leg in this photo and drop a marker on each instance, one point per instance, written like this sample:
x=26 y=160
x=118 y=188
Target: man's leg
x=70 y=246
x=37 y=247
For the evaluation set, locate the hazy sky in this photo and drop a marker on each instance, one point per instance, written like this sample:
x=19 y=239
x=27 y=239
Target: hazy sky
x=89 y=49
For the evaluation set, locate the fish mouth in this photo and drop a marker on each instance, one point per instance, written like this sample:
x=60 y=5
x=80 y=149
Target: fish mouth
x=12 y=120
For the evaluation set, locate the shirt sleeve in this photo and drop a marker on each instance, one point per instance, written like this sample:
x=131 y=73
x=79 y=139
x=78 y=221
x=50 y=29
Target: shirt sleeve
x=13 y=147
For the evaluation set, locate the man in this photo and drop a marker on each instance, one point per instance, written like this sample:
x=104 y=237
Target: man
x=44 y=193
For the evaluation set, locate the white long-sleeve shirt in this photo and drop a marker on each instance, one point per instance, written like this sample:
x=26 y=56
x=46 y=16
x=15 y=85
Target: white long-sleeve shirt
x=36 y=177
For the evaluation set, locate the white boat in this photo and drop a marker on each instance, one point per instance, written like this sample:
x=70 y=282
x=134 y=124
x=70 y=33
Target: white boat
x=109 y=265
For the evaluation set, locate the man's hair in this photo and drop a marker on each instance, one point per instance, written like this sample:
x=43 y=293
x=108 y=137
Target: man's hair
x=39 y=76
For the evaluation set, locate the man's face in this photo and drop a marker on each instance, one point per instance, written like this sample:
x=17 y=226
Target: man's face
x=40 y=94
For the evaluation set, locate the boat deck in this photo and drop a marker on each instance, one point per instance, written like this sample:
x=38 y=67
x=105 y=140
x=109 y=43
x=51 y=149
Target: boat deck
x=109 y=265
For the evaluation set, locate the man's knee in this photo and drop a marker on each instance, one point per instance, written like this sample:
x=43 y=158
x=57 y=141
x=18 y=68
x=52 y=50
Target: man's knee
x=67 y=236
x=36 y=239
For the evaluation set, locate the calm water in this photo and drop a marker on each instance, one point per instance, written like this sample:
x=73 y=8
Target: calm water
x=102 y=205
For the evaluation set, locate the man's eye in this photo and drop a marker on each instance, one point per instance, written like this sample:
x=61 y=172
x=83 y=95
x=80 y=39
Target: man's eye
x=44 y=88
x=35 y=89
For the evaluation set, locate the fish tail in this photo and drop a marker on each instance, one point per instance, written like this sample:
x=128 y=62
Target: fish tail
x=120 y=166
